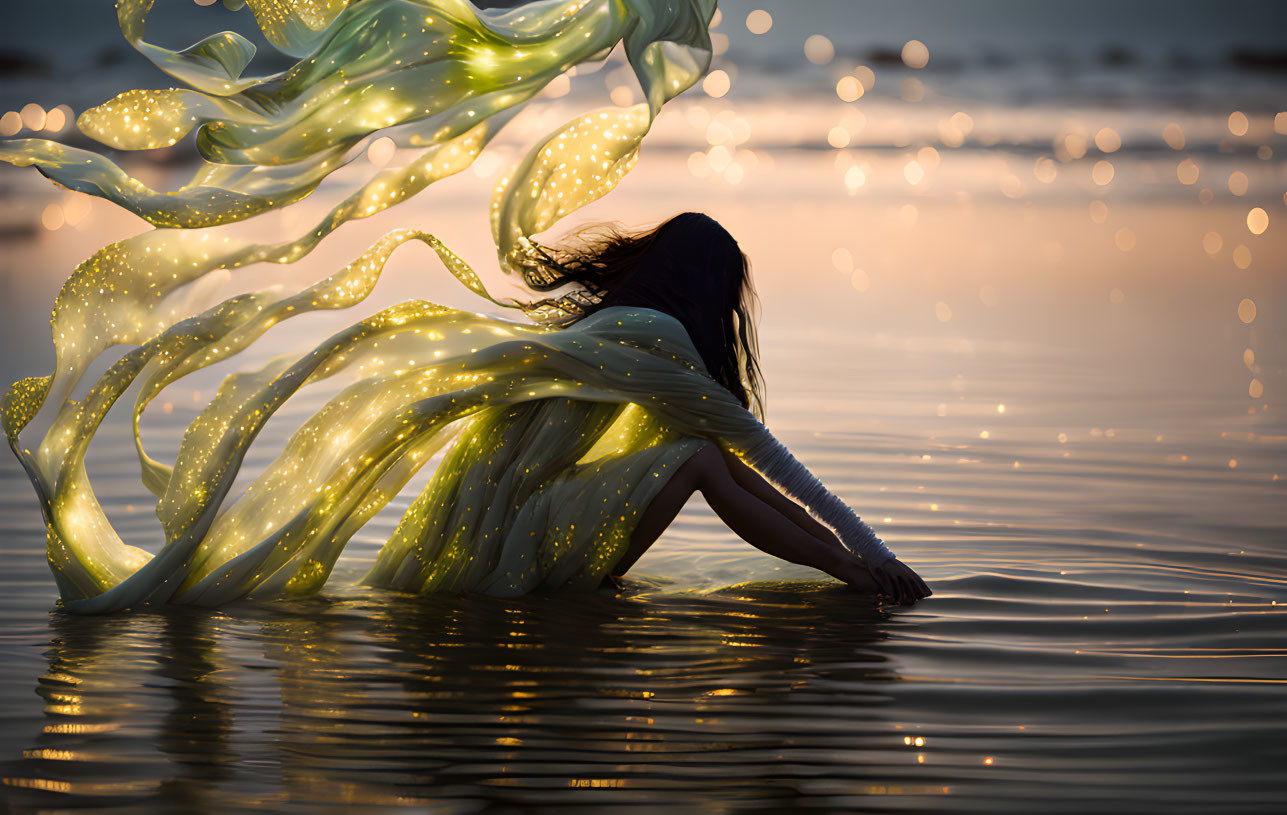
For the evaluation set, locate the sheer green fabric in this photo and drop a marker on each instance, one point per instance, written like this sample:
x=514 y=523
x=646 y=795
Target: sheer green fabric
x=561 y=435
x=440 y=78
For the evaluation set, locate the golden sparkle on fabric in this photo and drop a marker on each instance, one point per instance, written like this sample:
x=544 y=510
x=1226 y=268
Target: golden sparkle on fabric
x=438 y=78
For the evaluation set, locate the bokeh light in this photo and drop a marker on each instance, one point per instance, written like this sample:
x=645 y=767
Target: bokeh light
x=1124 y=239
x=719 y=157
x=843 y=260
x=33 y=116
x=1242 y=257
x=1045 y=170
x=1075 y=145
x=854 y=179
x=759 y=21
x=1212 y=243
x=52 y=217
x=1102 y=173
x=77 y=209
x=622 y=96
x=819 y=50
x=911 y=90
x=381 y=151
x=57 y=119
x=915 y=54
x=716 y=83
x=1247 y=310
x=849 y=89
x=1257 y=220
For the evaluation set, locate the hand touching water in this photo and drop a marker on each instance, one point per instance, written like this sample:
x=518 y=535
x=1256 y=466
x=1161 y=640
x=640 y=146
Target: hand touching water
x=897 y=580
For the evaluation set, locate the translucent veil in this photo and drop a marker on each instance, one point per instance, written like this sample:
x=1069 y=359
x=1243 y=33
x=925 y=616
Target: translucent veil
x=437 y=76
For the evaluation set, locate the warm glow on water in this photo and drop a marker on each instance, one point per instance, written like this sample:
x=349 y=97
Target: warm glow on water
x=1024 y=313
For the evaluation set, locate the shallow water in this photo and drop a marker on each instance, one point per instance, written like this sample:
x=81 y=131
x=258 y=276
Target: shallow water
x=1038 y=391
x=1106 y=631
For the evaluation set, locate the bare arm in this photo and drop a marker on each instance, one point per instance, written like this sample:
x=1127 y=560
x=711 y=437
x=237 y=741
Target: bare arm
x=892 y=576
x=754 y=483
x=768 y=520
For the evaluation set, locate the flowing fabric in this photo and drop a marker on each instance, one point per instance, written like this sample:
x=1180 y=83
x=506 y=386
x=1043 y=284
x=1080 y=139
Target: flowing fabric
x=559 y=436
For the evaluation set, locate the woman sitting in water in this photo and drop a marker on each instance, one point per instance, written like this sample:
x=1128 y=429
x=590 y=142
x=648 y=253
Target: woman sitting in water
x=691 y=269
x=570 y=444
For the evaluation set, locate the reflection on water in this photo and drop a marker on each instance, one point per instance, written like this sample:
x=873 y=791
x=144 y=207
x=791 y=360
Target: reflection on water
x=1106 y=632
x=383 y=699
x=760 y=695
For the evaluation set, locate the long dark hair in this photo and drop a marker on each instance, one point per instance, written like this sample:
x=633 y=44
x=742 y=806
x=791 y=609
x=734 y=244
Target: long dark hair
x=688 y=267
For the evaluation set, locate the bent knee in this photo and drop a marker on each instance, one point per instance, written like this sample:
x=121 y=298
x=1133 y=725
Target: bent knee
x=710 y=470
x=708 y=459
x=699 y=467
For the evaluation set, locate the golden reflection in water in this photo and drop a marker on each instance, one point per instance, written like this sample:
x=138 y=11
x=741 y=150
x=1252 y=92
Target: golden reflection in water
x=432 y=690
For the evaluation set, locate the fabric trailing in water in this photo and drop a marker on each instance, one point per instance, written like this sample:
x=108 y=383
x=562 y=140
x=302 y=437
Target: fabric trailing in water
x=541 y=419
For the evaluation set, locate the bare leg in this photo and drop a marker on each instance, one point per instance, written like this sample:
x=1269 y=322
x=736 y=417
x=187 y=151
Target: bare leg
x=665 y=505
x=787 y=532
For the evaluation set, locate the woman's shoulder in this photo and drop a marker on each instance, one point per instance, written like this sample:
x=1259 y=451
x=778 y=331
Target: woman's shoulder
x=641 y=327
x=629 y=319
